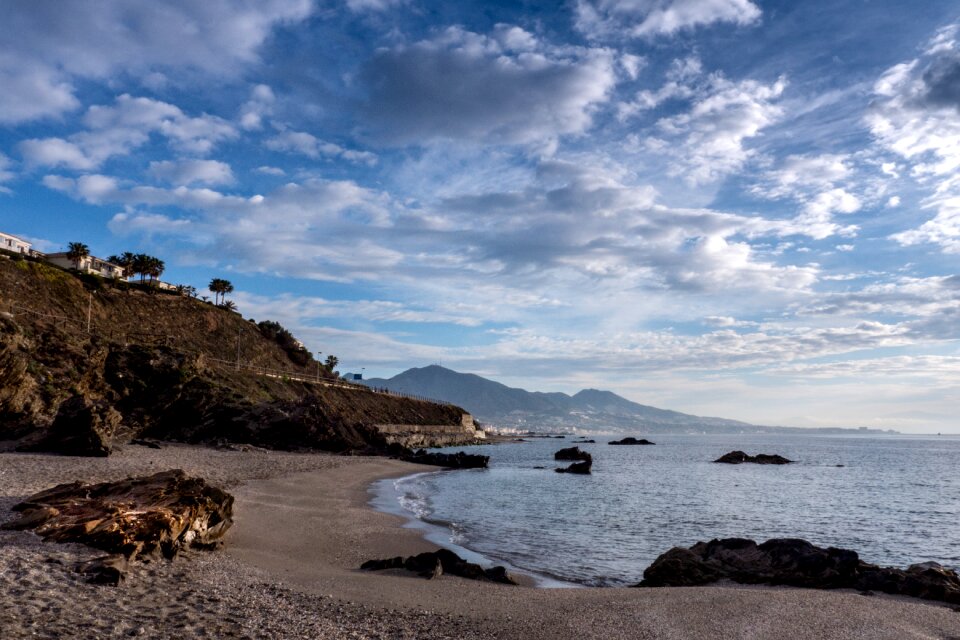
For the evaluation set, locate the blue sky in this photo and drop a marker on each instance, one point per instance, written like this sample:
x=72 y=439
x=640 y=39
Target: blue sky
x=726 y=207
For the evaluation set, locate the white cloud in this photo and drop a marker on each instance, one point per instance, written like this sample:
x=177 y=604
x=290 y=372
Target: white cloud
x=914 y=117
x=270 y=171
x=6 y=175
x=188 y=172
x=257 y=107
x=893 y=202
x=360 y=6
x=47 y=44
x=312 y=147
x=120 y=128
x=464 y=85
x=647 y=18
x=709 y=141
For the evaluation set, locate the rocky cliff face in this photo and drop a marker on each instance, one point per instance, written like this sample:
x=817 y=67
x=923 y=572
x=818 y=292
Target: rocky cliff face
x=62 y=389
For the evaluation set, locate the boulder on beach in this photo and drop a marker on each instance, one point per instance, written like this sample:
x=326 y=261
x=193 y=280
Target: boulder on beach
x=631 y=440
x=739 y=457
x=796 y=563
x=160 y=513
x=582 y=468
x=458 y=460
x=572 y=453
x=432 y=564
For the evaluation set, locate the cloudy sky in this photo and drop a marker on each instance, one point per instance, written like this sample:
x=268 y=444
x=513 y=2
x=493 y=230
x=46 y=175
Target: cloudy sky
x=740 y=208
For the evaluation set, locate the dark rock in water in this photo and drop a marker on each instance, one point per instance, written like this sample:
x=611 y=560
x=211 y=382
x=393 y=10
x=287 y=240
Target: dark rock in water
x=572 y=453
x=739 y=457
x=110 y=570
x=82 y=427
x=435 y=563
x=163 y=512
x=458 y=460
x=631 y=440
x=796 y=563
x=539 y=467
x=584 y=441
x=582 y=468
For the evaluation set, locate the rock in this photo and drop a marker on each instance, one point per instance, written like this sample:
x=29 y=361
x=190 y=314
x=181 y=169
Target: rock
x=584 y=441
x=82 y=427
x=432 y=564
x=631 y=440
x=109 y=570
x=458 y=460
x=796 y=563
x=582 y=468
x=572 y=453
x=739 y=457
x=163 y=512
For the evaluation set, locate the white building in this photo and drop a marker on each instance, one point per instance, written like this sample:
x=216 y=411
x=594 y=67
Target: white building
x=87 y=264
x=14 y=244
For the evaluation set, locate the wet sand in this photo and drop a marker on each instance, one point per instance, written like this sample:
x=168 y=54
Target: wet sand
x=289 y=570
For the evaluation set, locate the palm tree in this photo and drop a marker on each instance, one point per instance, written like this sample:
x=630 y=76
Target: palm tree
x=77 y=251
x=155 y=268
x=331 y=362
x=124 y=261
x=140 y=265
x=220 y=287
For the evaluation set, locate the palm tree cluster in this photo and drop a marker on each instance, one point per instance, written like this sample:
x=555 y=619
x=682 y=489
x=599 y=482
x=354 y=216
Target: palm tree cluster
x=139 y=264
x=220 y=289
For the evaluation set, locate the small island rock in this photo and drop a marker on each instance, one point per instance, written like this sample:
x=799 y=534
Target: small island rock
x=739 y=457
x=572 y=453
x=631 y=440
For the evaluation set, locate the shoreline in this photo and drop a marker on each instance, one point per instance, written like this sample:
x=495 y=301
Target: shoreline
x=303 y=525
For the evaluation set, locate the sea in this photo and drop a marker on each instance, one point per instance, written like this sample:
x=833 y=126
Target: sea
x=893 y=499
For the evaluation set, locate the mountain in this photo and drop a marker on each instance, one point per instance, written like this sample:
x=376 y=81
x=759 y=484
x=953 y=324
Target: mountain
x=590 y=409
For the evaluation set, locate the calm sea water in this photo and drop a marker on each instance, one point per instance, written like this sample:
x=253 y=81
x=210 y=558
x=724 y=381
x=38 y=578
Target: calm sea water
x=896 y=501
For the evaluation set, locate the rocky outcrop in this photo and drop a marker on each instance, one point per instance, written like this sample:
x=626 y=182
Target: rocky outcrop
x=458 y=460
x=631 y=440
x=739 y=457
x=572 y=453
x=584 y=442
x=796 y=563
x=433 y=435
x=581 y=468
x=83 y=427
x=435 y=563
x=161 y=513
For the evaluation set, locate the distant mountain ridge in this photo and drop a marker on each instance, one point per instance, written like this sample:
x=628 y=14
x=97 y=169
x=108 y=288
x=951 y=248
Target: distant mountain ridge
x=590 y=409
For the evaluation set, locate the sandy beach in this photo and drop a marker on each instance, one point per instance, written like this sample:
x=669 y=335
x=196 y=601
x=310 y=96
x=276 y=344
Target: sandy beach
x=289 y=570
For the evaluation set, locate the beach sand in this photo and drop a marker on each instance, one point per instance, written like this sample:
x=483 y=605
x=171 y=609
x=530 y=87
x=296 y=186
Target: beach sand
x=289 y=570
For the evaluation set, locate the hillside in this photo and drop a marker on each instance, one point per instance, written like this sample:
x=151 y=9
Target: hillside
x=589 y=409
x=164 y=366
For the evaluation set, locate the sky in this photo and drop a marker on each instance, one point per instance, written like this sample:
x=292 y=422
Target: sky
x=736 y=208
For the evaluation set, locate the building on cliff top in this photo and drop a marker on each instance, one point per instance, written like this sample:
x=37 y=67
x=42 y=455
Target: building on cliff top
x=12 y=243
x=87 y=264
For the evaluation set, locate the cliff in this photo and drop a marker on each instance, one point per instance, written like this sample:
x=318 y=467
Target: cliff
x=164 y=366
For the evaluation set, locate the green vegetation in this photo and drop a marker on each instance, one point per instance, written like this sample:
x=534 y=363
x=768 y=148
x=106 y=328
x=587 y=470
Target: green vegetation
x=293 y=347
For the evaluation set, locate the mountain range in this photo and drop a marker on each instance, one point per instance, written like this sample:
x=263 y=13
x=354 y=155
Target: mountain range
x=590 y=409
x=594 y=410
